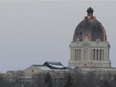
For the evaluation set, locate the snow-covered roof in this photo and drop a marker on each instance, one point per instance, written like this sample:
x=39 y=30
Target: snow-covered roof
x=42 y=67
x=11 y=72
x=54 y=65
x=58 y=66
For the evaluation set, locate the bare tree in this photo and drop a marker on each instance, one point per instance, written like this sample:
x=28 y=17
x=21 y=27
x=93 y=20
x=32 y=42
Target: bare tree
x=113 y=83
x=38 y=80
x=19 y=79
x=4 y=82
x=78 y=79
x=69 y=81
x=48 y=80
x=106 y=83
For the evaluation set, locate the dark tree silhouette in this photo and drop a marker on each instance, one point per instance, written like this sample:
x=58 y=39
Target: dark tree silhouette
x=19 y=79
x=105 y=83
x=69 y=81
x=3 y=82
x=38 y=80
x=48 y=80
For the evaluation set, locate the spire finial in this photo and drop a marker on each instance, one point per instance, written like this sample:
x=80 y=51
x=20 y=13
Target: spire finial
x=90 y=11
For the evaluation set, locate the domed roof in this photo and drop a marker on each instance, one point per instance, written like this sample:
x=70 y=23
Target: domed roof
x=90 y=28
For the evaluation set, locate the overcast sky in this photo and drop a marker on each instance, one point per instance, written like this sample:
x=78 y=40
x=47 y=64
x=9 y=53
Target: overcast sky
x=32 y=32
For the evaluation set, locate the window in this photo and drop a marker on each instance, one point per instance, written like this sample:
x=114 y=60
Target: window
x=77 y=54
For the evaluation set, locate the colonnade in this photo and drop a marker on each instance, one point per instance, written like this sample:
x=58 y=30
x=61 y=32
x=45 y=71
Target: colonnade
x=98 y=54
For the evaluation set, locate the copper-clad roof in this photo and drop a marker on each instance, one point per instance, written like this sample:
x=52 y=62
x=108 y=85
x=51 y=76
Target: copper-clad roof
x=91 y=28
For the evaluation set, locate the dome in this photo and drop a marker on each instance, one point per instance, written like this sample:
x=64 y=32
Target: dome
x=90 y=27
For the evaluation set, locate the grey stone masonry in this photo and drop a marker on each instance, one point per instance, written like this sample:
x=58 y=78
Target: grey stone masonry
x=88 y=53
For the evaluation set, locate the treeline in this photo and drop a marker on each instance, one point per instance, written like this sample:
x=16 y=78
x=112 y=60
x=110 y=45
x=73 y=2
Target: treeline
x=77 y=79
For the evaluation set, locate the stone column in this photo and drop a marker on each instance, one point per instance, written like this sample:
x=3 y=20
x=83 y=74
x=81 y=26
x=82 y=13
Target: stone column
x=98 y=54
x=92 y=54
x=71 y=54
x=95 y=54
x=82 y=54
x=77 y=51
x=75 y=55
x=102 y=54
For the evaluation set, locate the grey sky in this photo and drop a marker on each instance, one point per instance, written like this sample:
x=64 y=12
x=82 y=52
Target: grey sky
x=32 y=32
